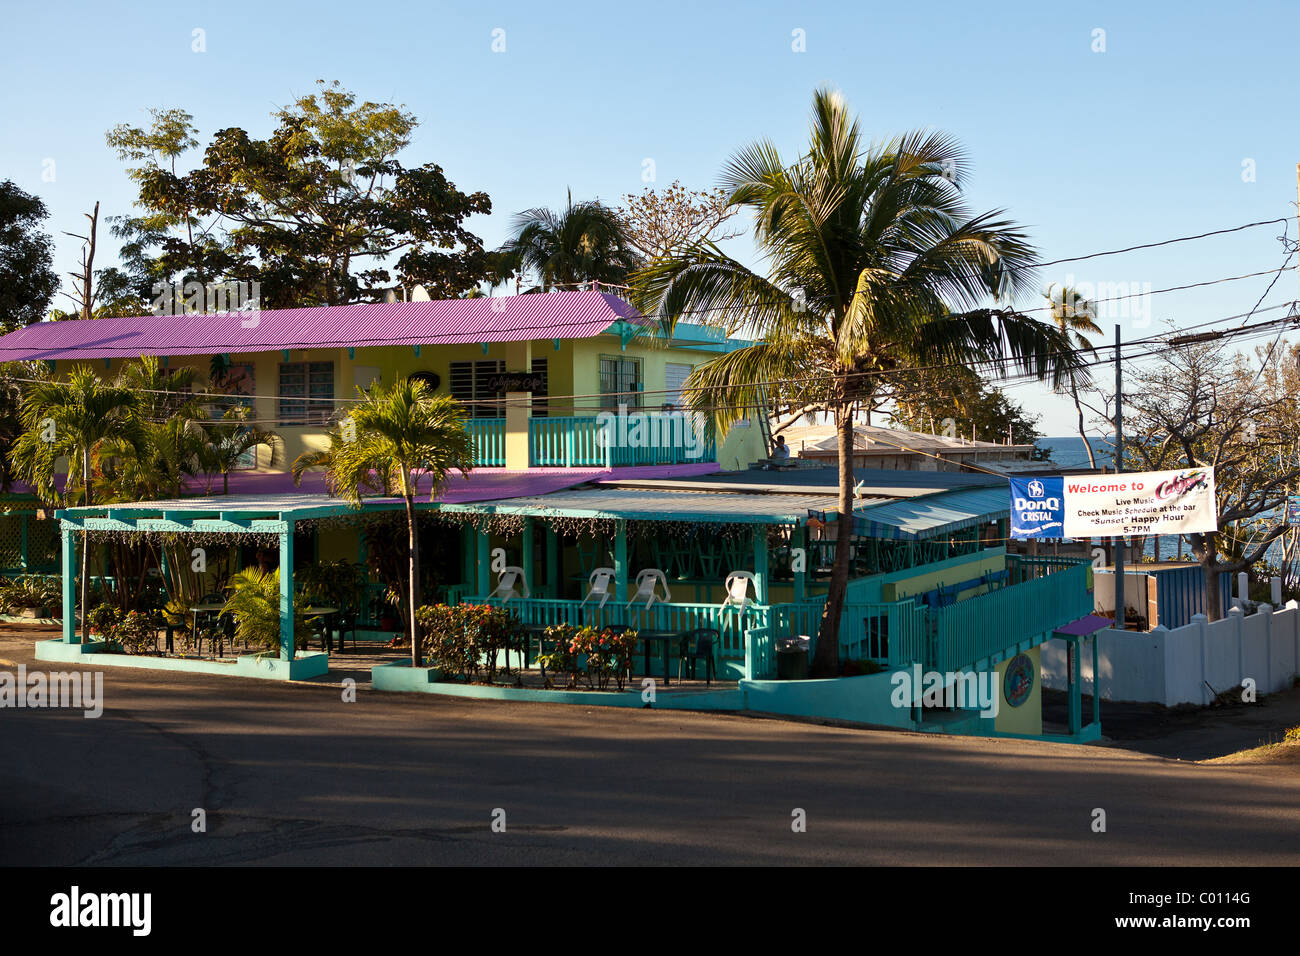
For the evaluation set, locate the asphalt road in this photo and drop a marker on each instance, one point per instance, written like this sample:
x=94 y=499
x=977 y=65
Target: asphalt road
x=293 y=775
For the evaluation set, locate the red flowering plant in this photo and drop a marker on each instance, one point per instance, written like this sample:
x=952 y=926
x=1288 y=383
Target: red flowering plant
x=462 y=638
x=558 y=654
x=608 y=654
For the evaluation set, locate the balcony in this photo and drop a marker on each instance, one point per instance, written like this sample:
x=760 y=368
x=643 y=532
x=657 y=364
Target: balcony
x=597 y=441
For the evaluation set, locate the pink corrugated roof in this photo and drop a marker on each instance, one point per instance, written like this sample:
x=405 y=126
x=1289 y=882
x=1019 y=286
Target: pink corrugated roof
x=483 y=484
x=515 y=318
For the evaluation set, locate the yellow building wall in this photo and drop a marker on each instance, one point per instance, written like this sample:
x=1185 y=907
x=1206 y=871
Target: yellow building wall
x=1028 y=717
x=572 y=369
x=983 y=563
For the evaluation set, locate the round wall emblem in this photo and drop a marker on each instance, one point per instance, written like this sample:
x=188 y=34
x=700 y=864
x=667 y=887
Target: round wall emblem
x=1018 y=681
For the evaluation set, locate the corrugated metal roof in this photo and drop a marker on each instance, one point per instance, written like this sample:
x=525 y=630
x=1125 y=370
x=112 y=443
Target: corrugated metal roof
x=658 y=505
x=929 y=515
x=516 y=318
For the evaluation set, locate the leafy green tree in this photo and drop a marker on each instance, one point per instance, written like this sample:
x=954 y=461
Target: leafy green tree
x=27 y=277
x=396 y=438
x=583 y=242
x=957 y=398
x=178 y=235
x=323 y=202
x=874 y=263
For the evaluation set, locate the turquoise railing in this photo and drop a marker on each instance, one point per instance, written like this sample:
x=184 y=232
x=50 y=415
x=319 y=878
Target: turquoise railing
x=895 y=634
x=730 y=623
x=642 y=438
x=889 y=633
x=567 y=442
x=970 y=631
x=489 y=436
x=760 y=654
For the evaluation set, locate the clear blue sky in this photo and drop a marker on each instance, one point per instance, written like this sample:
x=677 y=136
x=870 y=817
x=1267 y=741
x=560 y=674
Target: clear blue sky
x=1090 y=150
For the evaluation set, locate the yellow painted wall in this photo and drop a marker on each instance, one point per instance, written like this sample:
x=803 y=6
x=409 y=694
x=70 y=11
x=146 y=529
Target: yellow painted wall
x=1028 y=717
x=979 y=563
x=572 y=369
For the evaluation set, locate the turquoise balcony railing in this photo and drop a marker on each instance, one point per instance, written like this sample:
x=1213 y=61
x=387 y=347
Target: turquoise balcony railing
x=567 y=442
x=639 y=438
x=489 y=436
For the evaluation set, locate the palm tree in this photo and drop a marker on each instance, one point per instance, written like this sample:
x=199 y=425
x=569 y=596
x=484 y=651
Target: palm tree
x=874 y=264
x=76 y=419
x=254 y=605
x=584 y=242
x=396 y=437
x=1074 y=316
x=229 y=439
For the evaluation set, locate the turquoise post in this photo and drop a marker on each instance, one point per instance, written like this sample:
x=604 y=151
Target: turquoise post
x=466 y=555
x=550 y=558
x=23 y=518
x=526 y=553
x=799 y=540
x=1096 y=683
x=620 y=562
x=69 y=547
x=286 y=593
x=484 y=564
x=1076 y=685
x=760 y=563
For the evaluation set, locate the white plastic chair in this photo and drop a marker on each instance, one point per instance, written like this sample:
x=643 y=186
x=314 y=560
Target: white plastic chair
x=648 y=583
x=598 y=585
x=739 y=584
x=506 y=584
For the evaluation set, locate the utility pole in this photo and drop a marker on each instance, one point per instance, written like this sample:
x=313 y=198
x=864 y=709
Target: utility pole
x=1118 y=544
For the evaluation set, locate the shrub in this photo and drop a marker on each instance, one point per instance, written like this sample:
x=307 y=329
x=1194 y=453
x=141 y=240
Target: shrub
x=462 y=638
x=30 y=590
x=608 y=654
x=254 y=603
x=134 y=631
x=599 y=655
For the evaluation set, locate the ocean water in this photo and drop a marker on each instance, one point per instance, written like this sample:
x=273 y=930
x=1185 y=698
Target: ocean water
x=1069 y=451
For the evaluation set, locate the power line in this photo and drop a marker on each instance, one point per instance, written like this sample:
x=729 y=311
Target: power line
x=415 y=339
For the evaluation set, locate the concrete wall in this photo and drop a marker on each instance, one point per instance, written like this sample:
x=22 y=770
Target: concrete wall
x=1173 y=667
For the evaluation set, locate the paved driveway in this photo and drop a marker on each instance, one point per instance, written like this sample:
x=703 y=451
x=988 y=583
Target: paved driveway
x=293 y=775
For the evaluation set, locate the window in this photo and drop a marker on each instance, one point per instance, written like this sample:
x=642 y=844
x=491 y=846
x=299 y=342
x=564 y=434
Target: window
x=619 y=375
x=471 y=384
x=674 y=381
x=306 y=392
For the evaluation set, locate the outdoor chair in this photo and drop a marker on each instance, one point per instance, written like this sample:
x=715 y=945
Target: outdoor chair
x=598 y=586
x=699 y=645
x=648 y=584
x=345 y=621
x=511 y=584
x=739 y=585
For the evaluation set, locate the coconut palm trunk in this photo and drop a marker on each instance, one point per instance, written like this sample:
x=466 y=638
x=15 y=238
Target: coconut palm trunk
x=826 y=654
x=413 y=545
x=85 y=549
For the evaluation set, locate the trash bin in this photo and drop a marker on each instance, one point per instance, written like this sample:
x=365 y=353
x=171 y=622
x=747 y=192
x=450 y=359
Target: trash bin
x=792 y=659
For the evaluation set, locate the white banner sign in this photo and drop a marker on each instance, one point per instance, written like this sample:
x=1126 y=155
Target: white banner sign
x=1142 y=502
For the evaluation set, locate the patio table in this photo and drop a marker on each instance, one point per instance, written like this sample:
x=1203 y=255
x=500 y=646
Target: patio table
x=663 y=637
x=206 y=609
x=328 y=636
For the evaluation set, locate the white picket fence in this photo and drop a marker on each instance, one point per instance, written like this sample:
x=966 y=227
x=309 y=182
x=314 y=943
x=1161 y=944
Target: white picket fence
x=1181 y=666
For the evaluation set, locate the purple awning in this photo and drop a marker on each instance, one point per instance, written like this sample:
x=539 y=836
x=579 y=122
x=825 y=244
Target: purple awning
x=1089 y=624
x=516 y=318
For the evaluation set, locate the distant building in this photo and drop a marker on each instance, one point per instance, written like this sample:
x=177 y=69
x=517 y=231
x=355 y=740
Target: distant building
x=894 y=449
